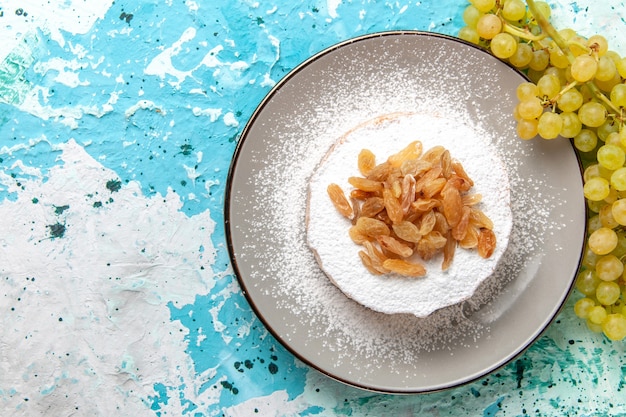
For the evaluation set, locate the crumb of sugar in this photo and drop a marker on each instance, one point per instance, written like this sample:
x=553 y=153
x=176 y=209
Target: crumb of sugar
x=327 y=230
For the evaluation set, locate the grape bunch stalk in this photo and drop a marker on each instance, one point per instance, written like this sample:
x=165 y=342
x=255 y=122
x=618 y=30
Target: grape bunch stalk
x=576 y=90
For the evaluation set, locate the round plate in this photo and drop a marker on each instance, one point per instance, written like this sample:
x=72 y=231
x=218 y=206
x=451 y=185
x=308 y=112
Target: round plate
x=265 y=210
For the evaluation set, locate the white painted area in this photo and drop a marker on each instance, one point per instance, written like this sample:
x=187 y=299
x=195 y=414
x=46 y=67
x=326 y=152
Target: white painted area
x=93 y=329
x=332 y=5
x=50 y=16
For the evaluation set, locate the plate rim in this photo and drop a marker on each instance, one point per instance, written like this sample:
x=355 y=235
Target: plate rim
x=233 y=258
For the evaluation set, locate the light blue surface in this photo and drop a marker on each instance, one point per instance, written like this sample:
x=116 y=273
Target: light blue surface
x=569 y=371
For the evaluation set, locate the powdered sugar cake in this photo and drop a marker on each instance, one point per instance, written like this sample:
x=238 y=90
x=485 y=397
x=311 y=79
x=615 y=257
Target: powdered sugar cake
x=337 y=254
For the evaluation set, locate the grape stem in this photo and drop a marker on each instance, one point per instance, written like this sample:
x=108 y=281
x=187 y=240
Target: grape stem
x=549 y=29
x=522 y=33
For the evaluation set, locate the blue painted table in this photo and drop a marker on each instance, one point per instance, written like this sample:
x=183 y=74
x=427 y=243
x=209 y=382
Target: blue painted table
x=118 y=121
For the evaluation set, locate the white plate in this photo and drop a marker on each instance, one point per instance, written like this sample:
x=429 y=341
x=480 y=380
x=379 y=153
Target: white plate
x=265 y=209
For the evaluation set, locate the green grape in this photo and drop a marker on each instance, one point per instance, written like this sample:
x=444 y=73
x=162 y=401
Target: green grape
x=514 y=10
x=586 y=283
x=549 y=86
x=557 y=58
x=571 y=100
x=578 y=45
x=612 y=197
x=571 y=125
x=527 y=129
x=583 y=306
x=597 y=314
x=596 y=328
x=622 y=137
x=620 y=249
x=606 y=217
x=550 y=125
x=469 y=34
x=484 y=5
x=602 y=241
x=584 y=68
x=614 y=327
x=592 y=114
x=594 y=222
x=606 y=69
x=607 y=293
x=526 y=90
x=471 y=15
x=618 y=95
x=605 y=129
x=488 y=26
x=589 y=259
x=560 y=73
x=607 y=86
x=609 y=268
x=621 y=67
x=613 y=139
x=618 y=209
x=618 y=179
x=503 y=45
x=598 y=44
x=591 y=171
x=530 y=109
x=611 y=157
x=522 y=56
x=586 y=140
x=567 y=33
x=541 y=59
x=596 y=189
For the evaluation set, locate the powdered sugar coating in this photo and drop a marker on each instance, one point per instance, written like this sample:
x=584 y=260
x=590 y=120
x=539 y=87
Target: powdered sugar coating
x=327 y=230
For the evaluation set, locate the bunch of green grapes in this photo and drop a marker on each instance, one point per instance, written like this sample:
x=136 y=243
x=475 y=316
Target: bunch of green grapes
x=577 y=90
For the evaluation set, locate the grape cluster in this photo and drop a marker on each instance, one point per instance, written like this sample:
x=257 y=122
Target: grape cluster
x=577 y=90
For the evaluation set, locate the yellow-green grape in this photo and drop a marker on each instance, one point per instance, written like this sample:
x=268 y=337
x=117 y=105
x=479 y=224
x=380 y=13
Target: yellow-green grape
x=514 y=10
x=530 y=108
x=612 y=197
x=571 y=125
x=622 y=137
x=592 y=114
x=584 y=68
x=550 y=125
x=597 y=314
x=621 y=67
x=527 y=129
x=471 y=15
x=582 y=307
x=606 y=69
x=614 y=327
x=567 y=33
x=602 y=241
x=591 y=171
x=526 y=91
x=488 y=26
x=611 y=157
x=618 y=209
x=618 y=179
x=606 y=216
x=571 y=100
x=618 y=95
x=484 y=5
x=613 y=139
x=607 y=86
x=557 y=58
x=560 y=73
x=522 y=56
x=595 y=206
x=469 y=34
x=594 y=222
x=549 y=86
x=541 y=59
x=620 y=249
x=596 y=189
x=608 y=293
x=586 y=283
x=605 y=172
x=578 y=45
x=589 y=258
x=598 y=44
x=596 y=328
x=606 y=128
x=503 y=45
x=609 y=268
